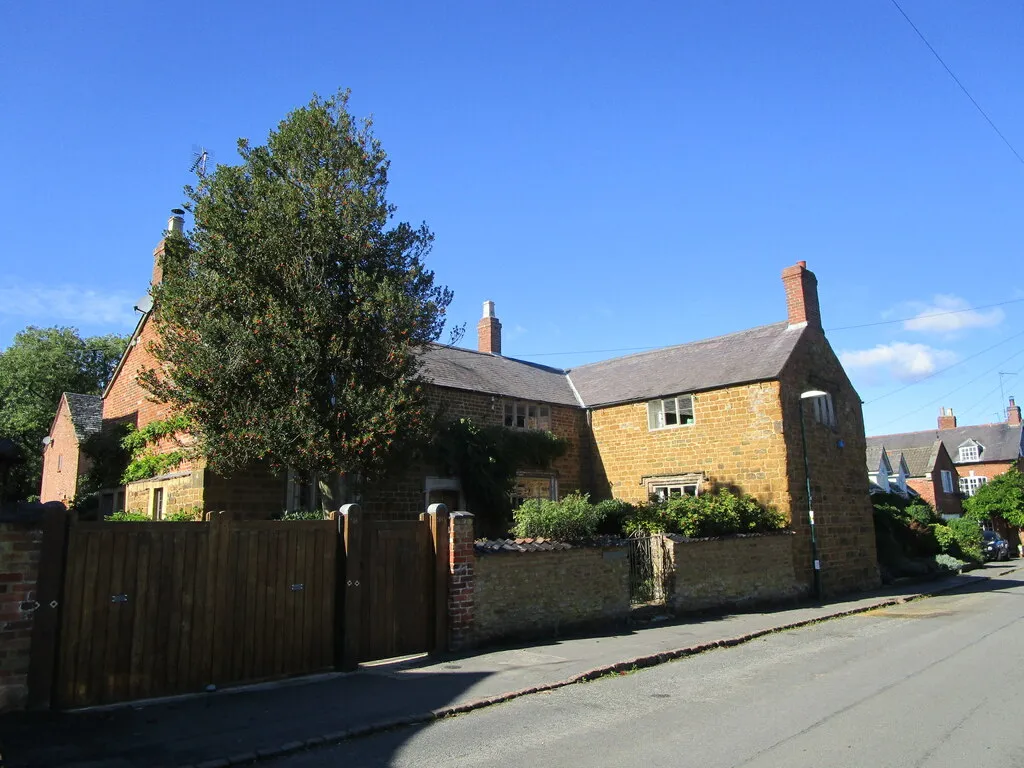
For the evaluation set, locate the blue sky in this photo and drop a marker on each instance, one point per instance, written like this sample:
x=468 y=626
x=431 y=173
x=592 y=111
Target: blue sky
x=612 y=176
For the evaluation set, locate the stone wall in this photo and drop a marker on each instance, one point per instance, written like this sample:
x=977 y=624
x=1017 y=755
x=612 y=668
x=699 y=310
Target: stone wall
x=182 y=490
x=735 y=440
x=843 y=513
x=20 y=545
x=525 y=595
x=733 y=571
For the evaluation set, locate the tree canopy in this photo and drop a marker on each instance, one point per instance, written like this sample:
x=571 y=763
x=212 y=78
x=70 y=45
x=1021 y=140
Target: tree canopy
x=39 y=366
x=1002 y=495
x=291 y=313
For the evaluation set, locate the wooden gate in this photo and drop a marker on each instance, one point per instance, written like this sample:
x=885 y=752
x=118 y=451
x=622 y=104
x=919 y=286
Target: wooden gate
x=157 y=608
x=396 y=596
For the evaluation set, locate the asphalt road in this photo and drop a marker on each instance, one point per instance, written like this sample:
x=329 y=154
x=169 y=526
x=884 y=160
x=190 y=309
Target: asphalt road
x=937 y=682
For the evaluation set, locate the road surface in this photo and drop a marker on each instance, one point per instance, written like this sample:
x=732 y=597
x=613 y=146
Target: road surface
x=937 y=682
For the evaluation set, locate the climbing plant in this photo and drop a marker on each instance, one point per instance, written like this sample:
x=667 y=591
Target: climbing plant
x=145 y=461
x=485 y=459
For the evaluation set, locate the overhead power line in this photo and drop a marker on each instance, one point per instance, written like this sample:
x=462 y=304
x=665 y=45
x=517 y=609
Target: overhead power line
x=957 y=81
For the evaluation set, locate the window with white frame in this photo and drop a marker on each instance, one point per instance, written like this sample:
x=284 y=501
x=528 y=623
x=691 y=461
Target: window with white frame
x=969 y=452
x=823 y=410
x=663 y=488
x=670 y=412
x=970 y=485
x=947 y=481
x=523 y=415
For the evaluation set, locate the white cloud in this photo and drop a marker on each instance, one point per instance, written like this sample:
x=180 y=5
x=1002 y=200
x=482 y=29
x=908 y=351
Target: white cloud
x=68 y=304
x=948 y=313
x=906 y=362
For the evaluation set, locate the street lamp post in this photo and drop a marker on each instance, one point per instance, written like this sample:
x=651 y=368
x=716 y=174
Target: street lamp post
x=809 y=394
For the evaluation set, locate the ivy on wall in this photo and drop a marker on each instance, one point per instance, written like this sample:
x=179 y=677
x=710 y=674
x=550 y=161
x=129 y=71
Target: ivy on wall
x=485 y=459
x=145 y=462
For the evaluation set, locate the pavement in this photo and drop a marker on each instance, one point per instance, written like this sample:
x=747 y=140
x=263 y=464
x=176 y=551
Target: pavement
x=250 y=724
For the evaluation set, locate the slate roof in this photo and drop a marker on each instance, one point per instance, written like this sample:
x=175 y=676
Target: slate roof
x=481 y=372
x=874 y=457
x=86 y=413
x=757 y=354
x=1000 y=442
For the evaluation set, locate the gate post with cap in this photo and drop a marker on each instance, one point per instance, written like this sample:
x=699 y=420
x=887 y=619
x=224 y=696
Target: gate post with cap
x=352 y=525
x=438 y=518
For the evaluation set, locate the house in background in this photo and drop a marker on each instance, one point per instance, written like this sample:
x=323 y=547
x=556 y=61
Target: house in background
x=978 y=452
x=930 y=472
x=884 y=476
x=719 y=413
x=64 y=462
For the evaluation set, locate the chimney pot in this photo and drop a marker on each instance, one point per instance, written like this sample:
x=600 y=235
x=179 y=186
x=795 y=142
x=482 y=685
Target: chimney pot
x=488 y=331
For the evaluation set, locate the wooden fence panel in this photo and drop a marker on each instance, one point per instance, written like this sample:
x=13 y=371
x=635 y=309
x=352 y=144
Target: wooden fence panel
x=158 y=608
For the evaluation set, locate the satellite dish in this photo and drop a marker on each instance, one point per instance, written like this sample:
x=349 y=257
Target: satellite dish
x=144 y=304
x=47 y=440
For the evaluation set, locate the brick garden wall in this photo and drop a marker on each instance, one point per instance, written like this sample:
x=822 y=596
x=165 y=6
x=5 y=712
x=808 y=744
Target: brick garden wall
x=716 y=573
x=735 y=440
x=20 y=545
x=538 y=594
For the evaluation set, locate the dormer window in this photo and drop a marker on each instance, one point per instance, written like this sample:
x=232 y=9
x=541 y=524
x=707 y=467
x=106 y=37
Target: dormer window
x=670 y=412
x=969 y=452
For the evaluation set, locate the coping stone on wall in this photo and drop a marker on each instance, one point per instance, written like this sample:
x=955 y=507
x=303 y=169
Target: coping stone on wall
x=680 y=539
x=496 y=546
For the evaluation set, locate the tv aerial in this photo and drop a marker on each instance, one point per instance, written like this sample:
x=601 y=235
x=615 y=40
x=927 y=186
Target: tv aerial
x=200 y=157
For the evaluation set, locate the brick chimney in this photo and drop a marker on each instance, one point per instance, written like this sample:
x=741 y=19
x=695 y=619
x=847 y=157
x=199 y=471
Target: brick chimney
x=175 y=224
x=946 y=419
x=1013 y=414
x=488 y=331
x=801 y=295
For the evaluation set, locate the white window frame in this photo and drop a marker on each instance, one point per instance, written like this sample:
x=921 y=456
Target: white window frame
x=969 y=485
x=663 y=488
x=824 y=410
x=947 y=481
x=970 y=452
x=158 y=503
x=526 y=415
x=659 y=412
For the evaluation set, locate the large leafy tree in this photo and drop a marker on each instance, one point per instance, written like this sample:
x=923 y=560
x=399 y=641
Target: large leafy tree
x=40 y=365
x=1002 y=495
x=291 y=314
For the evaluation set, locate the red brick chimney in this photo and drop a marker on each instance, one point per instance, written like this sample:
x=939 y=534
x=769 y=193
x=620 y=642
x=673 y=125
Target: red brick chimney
x=946 y=419
x=1013 y=414
x=488 y=331
x=176 y=223
x=801 y=295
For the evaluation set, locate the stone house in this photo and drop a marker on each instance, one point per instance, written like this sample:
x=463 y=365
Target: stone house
x=722 y=412
x=64 y=462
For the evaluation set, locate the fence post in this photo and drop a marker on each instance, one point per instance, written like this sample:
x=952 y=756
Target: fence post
x=49 y=598
x=462 y=564
x=438 y=514
x=353 y=529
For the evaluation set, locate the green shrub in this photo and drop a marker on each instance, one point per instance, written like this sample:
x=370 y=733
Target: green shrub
x=125 y=516
x=921 y=512
x=191 y=515
x=570 y=519
x=614 y=514
x=948 y=563
x=303 y=514
x=710 y=514
x=968 y=538
x=945 y=538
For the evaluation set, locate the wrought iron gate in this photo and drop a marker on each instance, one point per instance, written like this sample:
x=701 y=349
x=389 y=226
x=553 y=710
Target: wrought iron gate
x=648 y=571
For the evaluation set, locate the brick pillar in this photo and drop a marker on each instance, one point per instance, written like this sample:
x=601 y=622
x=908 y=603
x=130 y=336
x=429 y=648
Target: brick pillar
x=20 y=545
x=462 y=564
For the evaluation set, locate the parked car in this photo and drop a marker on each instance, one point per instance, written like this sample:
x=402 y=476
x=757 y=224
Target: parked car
x=994 y=546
